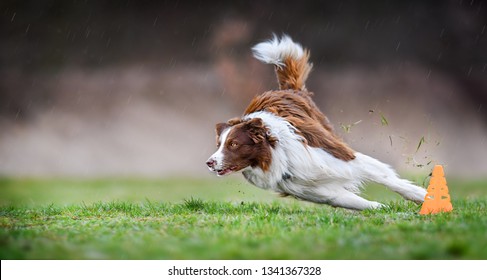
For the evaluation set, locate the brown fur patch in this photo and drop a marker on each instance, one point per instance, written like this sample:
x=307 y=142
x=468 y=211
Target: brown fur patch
x=299 y=110
x=294 y=73
x=248 y=145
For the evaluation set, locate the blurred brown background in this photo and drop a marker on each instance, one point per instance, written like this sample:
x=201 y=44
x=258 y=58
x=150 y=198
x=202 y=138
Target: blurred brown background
x=109 y=88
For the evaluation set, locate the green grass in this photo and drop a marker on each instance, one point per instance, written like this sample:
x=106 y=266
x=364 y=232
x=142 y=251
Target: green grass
x=225 y=219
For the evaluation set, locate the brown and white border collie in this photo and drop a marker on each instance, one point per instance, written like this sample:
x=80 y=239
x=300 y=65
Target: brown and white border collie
x=285 y=144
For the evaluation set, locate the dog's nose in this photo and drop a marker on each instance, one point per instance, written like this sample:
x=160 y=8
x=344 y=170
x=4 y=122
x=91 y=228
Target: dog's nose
x=211 y=163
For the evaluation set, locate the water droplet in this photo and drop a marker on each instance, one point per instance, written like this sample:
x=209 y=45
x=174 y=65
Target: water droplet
x=270 y=16
x=439 y=56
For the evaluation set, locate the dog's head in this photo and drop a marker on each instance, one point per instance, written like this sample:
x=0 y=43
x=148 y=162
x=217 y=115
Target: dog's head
x=240 y=144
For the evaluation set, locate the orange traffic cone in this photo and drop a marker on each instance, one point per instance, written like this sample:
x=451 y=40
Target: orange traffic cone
x=437 y=199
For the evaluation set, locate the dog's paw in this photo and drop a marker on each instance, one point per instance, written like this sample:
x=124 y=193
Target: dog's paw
x=377 y=205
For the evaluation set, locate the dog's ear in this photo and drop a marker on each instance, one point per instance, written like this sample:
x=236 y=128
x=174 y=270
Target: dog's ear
x=220 y=127
x=256 y=130
x=234 y=121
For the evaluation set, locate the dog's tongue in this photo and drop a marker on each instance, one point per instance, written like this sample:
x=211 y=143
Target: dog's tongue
x=224 y=171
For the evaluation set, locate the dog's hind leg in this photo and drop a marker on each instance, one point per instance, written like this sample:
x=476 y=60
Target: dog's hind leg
x=381 y=173
x=403 y=187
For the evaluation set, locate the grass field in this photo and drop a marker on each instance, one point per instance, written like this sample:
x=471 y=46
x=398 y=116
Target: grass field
x=226 y=219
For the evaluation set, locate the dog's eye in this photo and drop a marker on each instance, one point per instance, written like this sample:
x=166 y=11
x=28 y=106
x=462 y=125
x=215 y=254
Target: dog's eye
x=233 y=144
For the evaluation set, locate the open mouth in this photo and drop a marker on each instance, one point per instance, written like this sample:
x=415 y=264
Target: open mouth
x=226 y=171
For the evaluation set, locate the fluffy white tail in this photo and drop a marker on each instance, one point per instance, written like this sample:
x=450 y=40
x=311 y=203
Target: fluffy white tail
x=290 y=59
